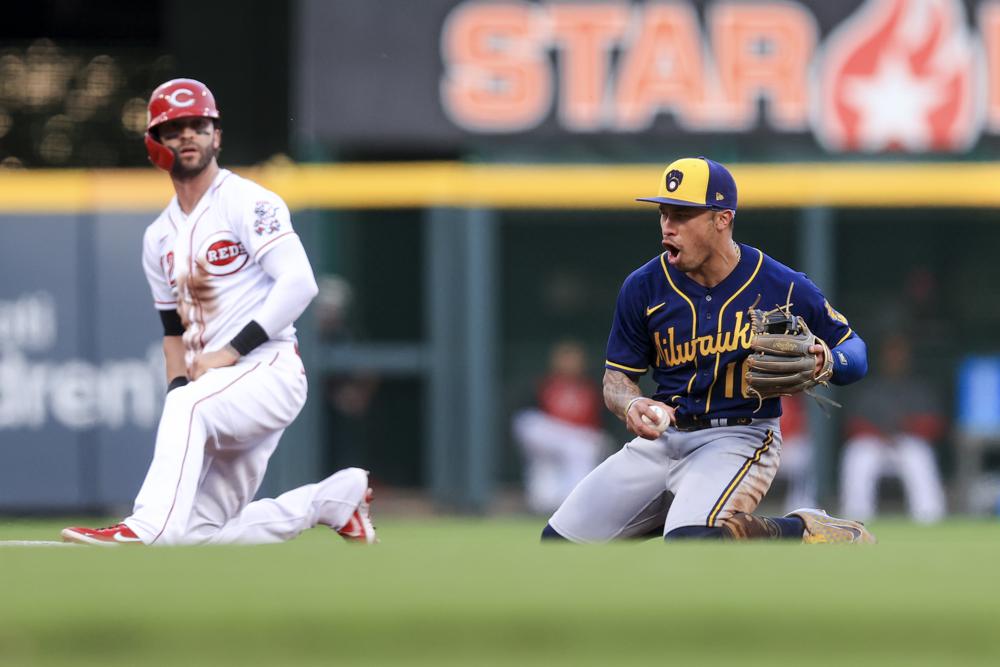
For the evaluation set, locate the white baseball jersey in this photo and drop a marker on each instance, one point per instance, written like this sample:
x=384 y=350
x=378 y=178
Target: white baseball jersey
x=205 y=264
x=218 y=432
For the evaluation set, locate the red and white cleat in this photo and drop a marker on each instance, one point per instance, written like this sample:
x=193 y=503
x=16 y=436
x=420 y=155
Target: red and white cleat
x=359 y=527
x=105 y=537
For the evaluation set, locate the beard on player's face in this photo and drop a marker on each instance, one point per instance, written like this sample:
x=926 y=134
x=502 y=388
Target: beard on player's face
x=182 y=171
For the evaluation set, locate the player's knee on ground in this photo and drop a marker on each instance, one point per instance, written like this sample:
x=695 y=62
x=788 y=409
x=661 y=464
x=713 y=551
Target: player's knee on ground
x=190 y=539
x=173 y=536
x=695 y=533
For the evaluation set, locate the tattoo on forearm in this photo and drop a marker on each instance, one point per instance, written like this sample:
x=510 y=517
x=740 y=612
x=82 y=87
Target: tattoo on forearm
x=618 y=391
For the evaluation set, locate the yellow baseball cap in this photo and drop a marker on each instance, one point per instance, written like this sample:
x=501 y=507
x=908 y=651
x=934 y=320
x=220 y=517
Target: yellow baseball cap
x=696 y=181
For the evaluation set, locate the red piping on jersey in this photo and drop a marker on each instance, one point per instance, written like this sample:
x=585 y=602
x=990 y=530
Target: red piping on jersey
x=187 y=447
x=275 y=358
x=219 y=185
x=261 y=249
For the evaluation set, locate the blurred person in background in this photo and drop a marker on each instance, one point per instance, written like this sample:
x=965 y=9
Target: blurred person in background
x=894 y=418
x=561 y=439
x=229 y=277
x=349 y=393
x=796 y=454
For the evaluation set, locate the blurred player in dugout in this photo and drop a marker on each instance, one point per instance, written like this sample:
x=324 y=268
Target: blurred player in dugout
x=893 y=421
x=796 y=454
x=561 y=439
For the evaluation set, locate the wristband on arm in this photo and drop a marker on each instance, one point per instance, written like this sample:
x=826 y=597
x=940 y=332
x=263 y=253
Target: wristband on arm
x=249 y=338
x=630 y=404
x=172 y=325
x=178 y=381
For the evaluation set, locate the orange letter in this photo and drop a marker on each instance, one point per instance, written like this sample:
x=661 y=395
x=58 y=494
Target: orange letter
x=496 y=74
x=989 y=23
x=587 y=33
x=764 y=50
x=661 y=68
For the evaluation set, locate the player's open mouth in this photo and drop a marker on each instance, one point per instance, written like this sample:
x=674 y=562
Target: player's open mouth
x=672 y=250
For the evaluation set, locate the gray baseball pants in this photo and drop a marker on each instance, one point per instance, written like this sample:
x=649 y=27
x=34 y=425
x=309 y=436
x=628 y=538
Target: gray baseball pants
x=690 y=478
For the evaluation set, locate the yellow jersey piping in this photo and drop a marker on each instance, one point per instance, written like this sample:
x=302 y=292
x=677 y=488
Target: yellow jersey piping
x=846 y=336
x=623 y=367
x=724 y=498
x=722 y=311
x=694 y=314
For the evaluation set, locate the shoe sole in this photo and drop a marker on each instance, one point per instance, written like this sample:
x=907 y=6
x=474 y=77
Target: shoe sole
x=363 y=515
x=361 y=521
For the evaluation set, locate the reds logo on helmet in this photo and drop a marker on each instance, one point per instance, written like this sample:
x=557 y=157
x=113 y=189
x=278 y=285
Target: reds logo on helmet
x=177 y=98
x=222 y=255
x=181 y=98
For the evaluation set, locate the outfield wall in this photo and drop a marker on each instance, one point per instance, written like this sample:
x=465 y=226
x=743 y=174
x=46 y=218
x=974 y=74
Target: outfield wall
x=463 y=276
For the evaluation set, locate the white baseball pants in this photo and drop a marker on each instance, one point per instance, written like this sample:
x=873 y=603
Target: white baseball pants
x=866 y=458
x=213 y=443
x=796 y=470
x=557 y=456
x=697 y=478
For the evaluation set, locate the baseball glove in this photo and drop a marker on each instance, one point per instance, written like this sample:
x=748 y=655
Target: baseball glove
x=780 y=363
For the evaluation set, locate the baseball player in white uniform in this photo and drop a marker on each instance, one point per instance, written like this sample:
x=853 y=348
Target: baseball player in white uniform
x=229 y=276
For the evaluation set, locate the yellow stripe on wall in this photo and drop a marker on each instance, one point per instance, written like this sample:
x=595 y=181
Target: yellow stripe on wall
x=578 y=186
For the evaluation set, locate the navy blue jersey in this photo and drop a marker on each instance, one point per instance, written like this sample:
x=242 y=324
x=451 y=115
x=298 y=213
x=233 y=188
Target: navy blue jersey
x=696 y=338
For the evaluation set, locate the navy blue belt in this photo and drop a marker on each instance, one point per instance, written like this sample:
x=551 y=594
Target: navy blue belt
x=690 y=423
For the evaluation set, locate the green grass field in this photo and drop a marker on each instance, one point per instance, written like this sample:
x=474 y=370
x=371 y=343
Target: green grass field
x=482 y=592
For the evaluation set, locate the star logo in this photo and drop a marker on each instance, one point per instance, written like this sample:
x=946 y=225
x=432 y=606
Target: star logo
x=899 y=75
x=892 y=106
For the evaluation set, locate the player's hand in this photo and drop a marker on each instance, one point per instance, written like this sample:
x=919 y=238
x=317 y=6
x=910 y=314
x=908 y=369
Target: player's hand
x=820 y=353
x=206 y=361
x=635 y=423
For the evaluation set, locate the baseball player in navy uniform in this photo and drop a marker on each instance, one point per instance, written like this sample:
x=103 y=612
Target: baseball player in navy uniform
x=229 y=277
x=707 y=448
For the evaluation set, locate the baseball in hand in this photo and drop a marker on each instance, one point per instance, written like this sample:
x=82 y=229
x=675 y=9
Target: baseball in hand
x=661 y=422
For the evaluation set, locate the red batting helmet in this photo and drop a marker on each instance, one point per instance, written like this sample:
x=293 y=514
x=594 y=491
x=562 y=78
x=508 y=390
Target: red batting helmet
x=177 y=98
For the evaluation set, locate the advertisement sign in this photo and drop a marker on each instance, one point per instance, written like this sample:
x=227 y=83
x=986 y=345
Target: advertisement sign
x=81 y=369
x=870 y=77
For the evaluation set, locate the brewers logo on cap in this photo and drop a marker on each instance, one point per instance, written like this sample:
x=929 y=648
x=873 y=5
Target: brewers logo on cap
x=696 y=181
